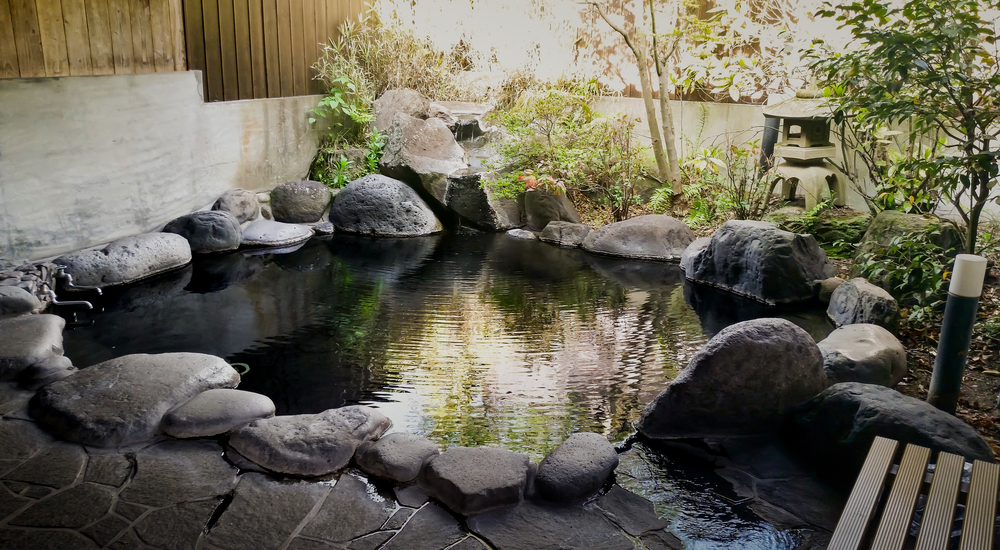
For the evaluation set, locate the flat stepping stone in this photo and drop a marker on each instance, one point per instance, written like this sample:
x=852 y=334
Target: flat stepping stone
x=178 y=526
x=208 y=232
x=127 y=260
x=538 y=527
x=577 y=468
x=431 y=527
x=28 y=340
x=17 y=301
x=124 y=400
x=350 y=511
x=381 y=206
x=179 y=471
x=264 y=513
x=309 y=444
x=45 y=372
x=269 y=233
x=633 y=513
x=649 y=237
x=299 y=201
x=397 y=456
x=863 y=353
x=215 y=412
x=73 y=508
x=471 y=480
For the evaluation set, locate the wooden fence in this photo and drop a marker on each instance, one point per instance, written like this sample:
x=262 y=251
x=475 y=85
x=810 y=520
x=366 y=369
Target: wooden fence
x=89 y=37
x=249 y=49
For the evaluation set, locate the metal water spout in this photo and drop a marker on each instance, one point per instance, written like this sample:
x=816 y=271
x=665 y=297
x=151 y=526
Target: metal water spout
x=68 y=281
x=55 y=301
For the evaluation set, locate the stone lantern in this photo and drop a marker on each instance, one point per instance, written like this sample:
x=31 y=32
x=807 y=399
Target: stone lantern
x=804 y=149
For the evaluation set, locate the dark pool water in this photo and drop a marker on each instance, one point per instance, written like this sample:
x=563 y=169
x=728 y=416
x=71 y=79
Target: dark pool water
x=466 y=339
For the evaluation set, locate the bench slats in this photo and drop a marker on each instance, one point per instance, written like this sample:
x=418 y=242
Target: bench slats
x=860 y=508
x=980 y=507
x=939 y=513
x=895 y=522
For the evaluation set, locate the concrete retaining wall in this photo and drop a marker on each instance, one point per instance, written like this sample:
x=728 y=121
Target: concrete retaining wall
x=86 y=160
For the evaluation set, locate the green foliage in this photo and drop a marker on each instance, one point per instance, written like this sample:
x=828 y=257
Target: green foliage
x=911 y=268
x=661 y=200
x=333 y=167
x=349 y=112
x=932 y=65
x=557 y=142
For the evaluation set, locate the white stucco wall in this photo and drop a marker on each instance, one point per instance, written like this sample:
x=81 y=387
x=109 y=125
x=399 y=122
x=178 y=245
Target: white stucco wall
x=86 y=160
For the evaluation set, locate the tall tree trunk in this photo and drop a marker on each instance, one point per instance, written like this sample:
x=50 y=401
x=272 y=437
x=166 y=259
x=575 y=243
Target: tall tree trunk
x=662 y=166
x=669 y=137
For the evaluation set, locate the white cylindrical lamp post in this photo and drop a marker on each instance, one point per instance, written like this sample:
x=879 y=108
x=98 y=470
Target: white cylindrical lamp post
x=956 y=331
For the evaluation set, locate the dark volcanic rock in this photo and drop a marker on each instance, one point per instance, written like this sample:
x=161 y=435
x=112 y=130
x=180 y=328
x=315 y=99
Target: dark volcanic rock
x=241 y=203
x=423 y=153
x=863 y=353
x=471 y=480
x=565 y=233
x=215 y=412
x=744 y=381
x=538 y=527
x=382 y=206
x=28 y=340
x=758 y=260
x=857 y=301
x=123 y=400
x=650 y=237
x=208 y=232
x=836 y=428
x=577 y=468
x=542 y=207
x=267 y=233
x=397 y=456
x=127 y=260
x=299 y=201
x=309 y=444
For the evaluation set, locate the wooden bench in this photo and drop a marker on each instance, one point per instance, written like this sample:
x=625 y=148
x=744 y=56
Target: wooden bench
x=873 y=519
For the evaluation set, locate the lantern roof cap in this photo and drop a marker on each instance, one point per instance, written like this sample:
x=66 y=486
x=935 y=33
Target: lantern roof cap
x=816 y=108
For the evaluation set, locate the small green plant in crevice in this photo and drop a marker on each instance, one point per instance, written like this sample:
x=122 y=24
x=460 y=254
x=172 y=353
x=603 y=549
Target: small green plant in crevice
x=348 y=111
x=337 y=164
x=912 y=269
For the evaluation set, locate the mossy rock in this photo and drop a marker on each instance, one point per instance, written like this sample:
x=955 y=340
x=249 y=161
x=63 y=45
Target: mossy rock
x=829 y=227
x=890 y=224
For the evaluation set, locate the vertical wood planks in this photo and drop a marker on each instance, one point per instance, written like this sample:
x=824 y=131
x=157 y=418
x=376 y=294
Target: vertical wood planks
x=27 y=39
x=244 y=59
x=121 y=36
x=162 y=35
x=213 y=51
x=9 y=67
x=194 y=40
x=177 y=32
x=298 y=51
x=227 y=39
x=257 y=68
x=99 y=25
x=53 y=35
x=285 y=55
x=77 y=37
x=142 y=36
x=309 y=53
x=272 y=60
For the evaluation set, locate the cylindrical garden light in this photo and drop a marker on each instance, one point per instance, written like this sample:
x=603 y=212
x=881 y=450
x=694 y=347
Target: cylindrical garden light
x=956 y=331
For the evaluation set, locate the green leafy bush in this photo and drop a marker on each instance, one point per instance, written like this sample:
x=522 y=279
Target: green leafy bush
x=911 y=268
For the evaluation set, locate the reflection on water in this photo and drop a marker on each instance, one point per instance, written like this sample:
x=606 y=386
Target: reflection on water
x=469 y=340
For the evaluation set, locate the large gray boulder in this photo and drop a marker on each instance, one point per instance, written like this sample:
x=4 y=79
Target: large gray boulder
x=650 y=237
x=208 y=232
x=299 y=201
x=744 y=381
x=127 y=260
x=28 y=340
x=577 y=468
x=758 y=260
x=423 y=153
x=565 y=233
x=271 y=234
x=465 y=119
x=216 y=412
x=472 y=480
x=406 y=101
x=858 y=301
x=124 y=400
x=836 y=428
x=470 y=195
x=542 y=207
x=397 y=456
x=17 y=301
x=309 y=444
x=241 y=203
x=382 y=206
x=863 y=353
